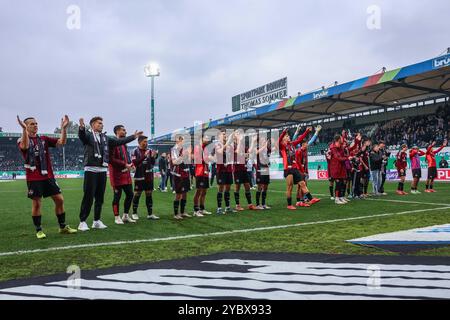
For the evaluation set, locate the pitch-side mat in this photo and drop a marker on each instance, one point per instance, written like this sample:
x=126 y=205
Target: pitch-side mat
x=236 y=276
x=409 y=240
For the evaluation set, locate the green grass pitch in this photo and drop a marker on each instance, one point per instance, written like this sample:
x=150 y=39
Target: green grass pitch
x=17 y=232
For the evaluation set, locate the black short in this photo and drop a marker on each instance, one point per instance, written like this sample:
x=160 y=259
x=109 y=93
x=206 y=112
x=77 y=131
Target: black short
x=400 y=174
x=365 y=174
x=262 y=178
x=417 y=173
x=142 y=185
x=241 y=177
x=295 y=173
x=182 y=185
x=349 y=175
x=44 y=188
x=202 y=182
x=432 y=173
x=224 y=178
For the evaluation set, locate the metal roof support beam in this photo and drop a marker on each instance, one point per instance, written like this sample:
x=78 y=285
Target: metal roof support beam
x=271 y=119
x=420 y=88
x=237 y=126
x=305 y=112
x=443 y=83
x=369 y=104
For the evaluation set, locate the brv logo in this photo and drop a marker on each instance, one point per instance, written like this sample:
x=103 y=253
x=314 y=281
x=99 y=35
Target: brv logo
x=442 y=62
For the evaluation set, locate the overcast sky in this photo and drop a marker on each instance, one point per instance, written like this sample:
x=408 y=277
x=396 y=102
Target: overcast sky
x=208 y=50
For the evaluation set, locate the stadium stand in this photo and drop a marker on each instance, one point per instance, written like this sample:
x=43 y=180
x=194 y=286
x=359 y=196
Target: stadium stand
x=395 y=129
x=11 y=159
x=432 y=125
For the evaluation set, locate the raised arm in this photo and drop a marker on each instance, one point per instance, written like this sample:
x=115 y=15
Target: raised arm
x=297 y=132
x=82 y=133
x=263 y=148
x=253 y=143
x=355 y=143
x=281 y=137
x=115 y=142
x=24 y=143
x=176 y=158
x=302 y=137
x=441 y=148
x=230 y=140
x=63 y=138
x=313 y=139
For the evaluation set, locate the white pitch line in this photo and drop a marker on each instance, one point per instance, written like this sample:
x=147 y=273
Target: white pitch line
x=383 y=200
x=412 y=202
x=118 y=243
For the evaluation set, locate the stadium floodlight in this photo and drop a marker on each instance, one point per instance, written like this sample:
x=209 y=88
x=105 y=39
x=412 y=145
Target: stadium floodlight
x=152 y=70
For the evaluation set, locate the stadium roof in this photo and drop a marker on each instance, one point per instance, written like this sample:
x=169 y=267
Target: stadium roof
x=425 y=80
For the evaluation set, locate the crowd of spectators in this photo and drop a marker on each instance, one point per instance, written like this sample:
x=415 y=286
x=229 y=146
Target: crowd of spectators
x=11 y=158
x=419 y=130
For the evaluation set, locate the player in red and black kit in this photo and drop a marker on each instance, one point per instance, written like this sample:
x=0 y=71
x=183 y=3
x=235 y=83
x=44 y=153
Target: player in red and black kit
x=291 y=168
x=181 y=159
x=262 y=152
x=401 y=164
x=39 y=172
x=201 y=160
x=432 y=168
x=330 y=179
x=144 y=161
x=224 y=164
x=365 y=172
x=240 y=172
x=119 y=175
x=301 y=157
x=338 y=170
x=349 y=150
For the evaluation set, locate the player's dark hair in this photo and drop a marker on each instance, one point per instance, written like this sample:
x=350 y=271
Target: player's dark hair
x=142 y=138
x=337 y=138
x=94 y=119
x=117 y=128
x=29 y=118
